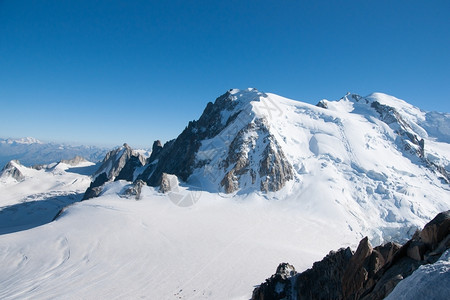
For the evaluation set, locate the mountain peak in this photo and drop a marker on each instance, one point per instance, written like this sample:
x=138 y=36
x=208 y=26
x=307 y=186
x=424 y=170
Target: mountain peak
x=12 y=170
x=25 y=140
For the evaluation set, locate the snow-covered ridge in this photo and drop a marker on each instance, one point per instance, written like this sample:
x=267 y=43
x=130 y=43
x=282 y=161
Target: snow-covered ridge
x=367 y=161
x=26 y=140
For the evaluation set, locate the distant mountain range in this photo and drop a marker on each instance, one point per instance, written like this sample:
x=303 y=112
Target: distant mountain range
x=30 y=151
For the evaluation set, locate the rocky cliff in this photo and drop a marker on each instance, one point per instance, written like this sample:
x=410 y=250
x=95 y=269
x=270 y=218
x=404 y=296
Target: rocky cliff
x=118 y=164
x=12 y=170
x=229 y=128
x=229 y=144
x=368 y=273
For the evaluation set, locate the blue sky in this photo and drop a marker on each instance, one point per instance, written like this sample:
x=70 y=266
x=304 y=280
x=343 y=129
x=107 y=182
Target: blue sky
x=108 y=72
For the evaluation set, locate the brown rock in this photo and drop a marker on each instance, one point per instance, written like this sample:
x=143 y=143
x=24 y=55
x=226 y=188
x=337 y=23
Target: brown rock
x=437 y=229
x=229 y=182
x=356 y=274
x=416 y=250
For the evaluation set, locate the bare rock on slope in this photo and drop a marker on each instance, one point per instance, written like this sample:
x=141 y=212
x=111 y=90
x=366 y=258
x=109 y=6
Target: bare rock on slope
x=369 y=273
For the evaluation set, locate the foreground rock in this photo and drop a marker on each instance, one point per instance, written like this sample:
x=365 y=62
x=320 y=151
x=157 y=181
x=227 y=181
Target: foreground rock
x=368 y=273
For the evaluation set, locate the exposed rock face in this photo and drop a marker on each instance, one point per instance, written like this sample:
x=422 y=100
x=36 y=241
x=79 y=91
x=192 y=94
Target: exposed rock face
x=135 y=190
x=253 y=155
x=322 y=104
x=323 y=280
x=11 y=169
x=156 y=150
x=436 y=230
x=409 y=139
x=360 y=273
x=95 y=189
x=246 y=158
x=279 y=286
x=274 y=169
x=168 y=183
x=178 y=156
x=119 y=164
x=369 y=273
x=114 y=162
x=128 y=171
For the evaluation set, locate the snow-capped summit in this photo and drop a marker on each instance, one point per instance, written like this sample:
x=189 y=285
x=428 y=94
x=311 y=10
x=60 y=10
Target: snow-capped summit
x=363 y=160
x=25 y=140
x=228 y=149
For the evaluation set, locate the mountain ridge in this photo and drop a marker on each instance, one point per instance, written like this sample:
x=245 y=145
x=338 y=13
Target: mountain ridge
x=352 y=156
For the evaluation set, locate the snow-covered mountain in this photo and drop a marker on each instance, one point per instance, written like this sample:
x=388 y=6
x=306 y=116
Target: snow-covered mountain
x=257 y=180
x=376 y=162
x=34 y=196
x=30 y=151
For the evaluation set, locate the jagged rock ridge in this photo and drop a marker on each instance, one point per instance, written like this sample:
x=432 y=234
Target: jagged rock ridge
x=368 y=273
x=253 y=156
x=118 y=164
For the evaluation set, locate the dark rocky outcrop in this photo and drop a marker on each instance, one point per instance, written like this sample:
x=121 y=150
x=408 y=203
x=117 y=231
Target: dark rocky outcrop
x=128 y=171
x=95 y=189
x=118 y=164
x=156 y=150
x=114 y=162
x=134 y=190
x=279 y=286
x=323 y=280
x=369 y=273
x=11 y=169
x=178 y=156
x=322 y=104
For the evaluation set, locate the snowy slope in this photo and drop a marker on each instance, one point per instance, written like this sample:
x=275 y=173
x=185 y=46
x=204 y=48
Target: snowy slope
x=428 y=282
x=38 y=195
x=335 y=174
x=117 y=248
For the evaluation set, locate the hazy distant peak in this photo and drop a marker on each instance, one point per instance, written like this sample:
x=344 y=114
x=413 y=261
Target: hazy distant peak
x=25 y=140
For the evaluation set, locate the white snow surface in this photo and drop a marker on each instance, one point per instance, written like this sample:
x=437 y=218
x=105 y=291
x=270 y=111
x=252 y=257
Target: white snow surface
x=350 y=180
x=25 y=140
x=427 y=282
x=118 y=248
x=346 y=161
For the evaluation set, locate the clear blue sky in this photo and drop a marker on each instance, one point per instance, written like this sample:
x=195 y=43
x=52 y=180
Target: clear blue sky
x=108 y=72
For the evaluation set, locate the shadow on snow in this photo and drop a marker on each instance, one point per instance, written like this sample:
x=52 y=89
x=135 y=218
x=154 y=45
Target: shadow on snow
x=27 y=215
